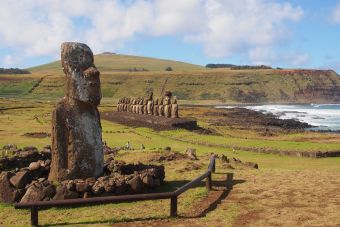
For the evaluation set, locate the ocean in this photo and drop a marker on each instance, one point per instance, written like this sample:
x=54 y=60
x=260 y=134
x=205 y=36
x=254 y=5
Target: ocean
x=321 y=116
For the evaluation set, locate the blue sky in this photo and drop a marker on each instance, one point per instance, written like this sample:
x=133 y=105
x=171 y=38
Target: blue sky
x=293 y=34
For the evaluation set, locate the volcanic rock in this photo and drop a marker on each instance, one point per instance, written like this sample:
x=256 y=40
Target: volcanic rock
x=191 y=152
x=7 y=194
x=34 y=166
x=20 y=179
x=63 y=193
x=136 y=184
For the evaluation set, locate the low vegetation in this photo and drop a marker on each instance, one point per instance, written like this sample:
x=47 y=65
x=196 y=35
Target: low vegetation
x=13 y=71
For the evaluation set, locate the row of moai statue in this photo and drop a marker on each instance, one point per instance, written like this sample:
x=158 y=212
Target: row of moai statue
x=166 y=106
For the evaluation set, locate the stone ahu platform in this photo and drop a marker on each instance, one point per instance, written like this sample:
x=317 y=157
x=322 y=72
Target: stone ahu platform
x=150 y=121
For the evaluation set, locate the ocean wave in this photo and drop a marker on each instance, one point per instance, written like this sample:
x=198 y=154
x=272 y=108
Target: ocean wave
x=320 y=115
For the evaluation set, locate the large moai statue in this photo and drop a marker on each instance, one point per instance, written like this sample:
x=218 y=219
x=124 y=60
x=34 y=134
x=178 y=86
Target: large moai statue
x=167 y=104
x=160 y=108
x=174 y=108
x=77 y=149
x=140 y=106
x=145 y=107
x=125 y=104
x=118 y=105
x=134 y=105
x=130 y=105
x=150 y=104
x=155 y=108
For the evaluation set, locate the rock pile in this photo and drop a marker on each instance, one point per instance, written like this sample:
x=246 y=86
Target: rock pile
x=23 y=157
x=235 y=161
x=26 y=184
x=30 y=183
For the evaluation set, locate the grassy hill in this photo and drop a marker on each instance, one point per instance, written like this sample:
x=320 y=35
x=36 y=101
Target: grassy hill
x=190 y=83
x=118 y=62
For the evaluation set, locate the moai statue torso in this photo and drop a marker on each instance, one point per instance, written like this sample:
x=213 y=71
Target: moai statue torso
x=119 y=104
x=161 y=108
x=167 y=106
x=131 y=105
x=140 y=106
x=155 y=108
x=145 y=106
x=136 y=110
x=150 y=105
x=174 y=108
x=77 y=150
x=125 y=104
x=134 y=106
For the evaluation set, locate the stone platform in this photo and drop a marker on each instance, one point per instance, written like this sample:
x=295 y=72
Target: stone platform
x=150 y=121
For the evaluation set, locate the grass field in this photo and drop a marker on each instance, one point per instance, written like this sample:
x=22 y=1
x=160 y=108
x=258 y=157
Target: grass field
x=285 y=191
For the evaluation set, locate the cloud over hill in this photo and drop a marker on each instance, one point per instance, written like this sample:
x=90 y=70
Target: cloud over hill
x=222 y=27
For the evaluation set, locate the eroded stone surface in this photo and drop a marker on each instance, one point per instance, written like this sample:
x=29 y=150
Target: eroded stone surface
x=7 y=192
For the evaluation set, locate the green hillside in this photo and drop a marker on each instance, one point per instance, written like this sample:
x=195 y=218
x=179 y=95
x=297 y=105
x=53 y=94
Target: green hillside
x=118 y=62
x=190 y=83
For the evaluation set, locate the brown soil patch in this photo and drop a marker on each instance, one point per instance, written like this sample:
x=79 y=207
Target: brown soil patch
x=191 y=166
x=37 y=134
x=167 y=156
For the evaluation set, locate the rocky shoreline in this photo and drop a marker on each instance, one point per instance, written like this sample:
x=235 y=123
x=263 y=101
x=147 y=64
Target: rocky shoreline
x=251 y=118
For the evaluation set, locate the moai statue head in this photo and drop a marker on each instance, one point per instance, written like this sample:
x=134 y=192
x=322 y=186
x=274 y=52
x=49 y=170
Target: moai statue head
x=141 y=101
x=156 y=101
x=150 y=96
x=82 y=77
x=168 y=94
x=145 y=102
x=174 y=100
x=161 y=102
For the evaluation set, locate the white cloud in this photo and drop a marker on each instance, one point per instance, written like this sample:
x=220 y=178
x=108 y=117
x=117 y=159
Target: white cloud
x=335 y=14
x=267 y=56
x=222 y=27
x=8 y=60
x=237 y=26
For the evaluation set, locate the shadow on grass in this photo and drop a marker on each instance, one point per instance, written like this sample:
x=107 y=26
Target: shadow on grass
x=208 y=206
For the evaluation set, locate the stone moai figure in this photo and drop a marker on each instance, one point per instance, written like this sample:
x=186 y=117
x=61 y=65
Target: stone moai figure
x=130 y=105
x=150 y=104
x=174 y=108
x=134 y=106
x=155 y=108
x=160 y=108
x=167 y=104
x=118 y=105
x=125 y=104
x=77 y=148
x=145 y=106
x=140 y=106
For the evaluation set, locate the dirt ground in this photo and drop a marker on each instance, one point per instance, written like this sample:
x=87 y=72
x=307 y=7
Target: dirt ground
x=267 y=198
